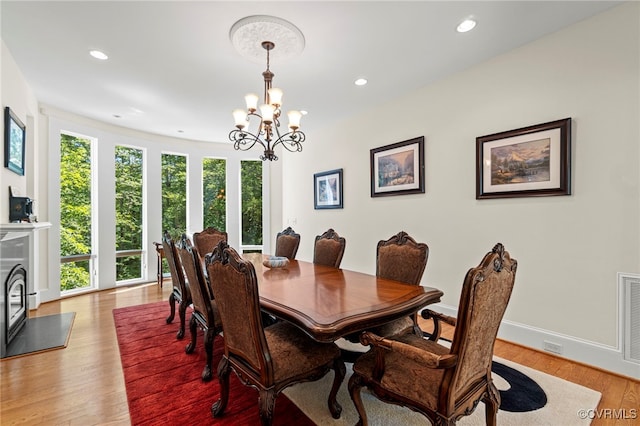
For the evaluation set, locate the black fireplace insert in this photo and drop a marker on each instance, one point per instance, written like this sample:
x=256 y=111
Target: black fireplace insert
x=16 y=301
x=14 y=309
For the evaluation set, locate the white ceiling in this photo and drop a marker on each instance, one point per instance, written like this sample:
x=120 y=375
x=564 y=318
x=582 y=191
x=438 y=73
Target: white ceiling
x=172 y=69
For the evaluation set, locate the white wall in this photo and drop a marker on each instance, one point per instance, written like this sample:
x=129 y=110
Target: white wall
x=570 y=248
x=17 y=95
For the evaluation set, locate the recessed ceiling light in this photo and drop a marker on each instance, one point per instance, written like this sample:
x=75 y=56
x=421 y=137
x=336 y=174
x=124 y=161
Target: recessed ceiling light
x=466 y=25
x=304 y=112
x=361 y=82
x=99 y=55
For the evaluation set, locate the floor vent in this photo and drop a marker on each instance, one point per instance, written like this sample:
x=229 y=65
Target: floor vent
x=631 y=316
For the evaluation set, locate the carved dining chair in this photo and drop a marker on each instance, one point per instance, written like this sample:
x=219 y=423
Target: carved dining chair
x=287 y=243
x=329 y=249
x=399 y=258
x=180 y=293
x=205 y=311
x=268 y=359
x=206 y=240
x=439 y=382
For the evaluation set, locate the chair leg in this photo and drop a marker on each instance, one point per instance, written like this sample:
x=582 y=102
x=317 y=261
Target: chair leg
x=208 y=347
x=218 y=407
x=355 y=384
x=182 y=312
x=193 y=329
x=266 y=402
x=339 y=372
x=492 y=404
x=172 y=306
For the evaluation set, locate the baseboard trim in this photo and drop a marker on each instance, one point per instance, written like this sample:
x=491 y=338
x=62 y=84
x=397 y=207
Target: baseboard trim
x=597 y=355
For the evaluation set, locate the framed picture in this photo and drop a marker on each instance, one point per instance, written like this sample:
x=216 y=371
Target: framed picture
x=398 y=168
x=14 y=140
x=327 y=190
x=529 y=162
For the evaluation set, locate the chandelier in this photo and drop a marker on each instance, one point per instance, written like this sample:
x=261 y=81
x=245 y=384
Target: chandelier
x=253 y=127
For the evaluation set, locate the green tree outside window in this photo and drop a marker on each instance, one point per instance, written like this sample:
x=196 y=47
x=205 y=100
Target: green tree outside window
x=174 y=194
x=214 y=203
x=251 y=186
x=128 y=169
x=75 y=210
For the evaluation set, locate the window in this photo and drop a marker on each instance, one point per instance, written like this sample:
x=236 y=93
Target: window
x=174 y=194
x=142 y=188
x=251 y=188
x=129 y=254
x=214 y=185
x=76 y=242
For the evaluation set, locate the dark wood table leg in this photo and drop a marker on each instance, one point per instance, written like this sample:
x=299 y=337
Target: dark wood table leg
x=160 y=253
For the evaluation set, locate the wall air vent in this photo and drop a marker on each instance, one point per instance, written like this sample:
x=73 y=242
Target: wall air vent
x=630 y=292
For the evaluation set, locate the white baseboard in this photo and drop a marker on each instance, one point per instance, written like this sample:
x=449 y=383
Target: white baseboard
x=598 y=355
x=34 y=300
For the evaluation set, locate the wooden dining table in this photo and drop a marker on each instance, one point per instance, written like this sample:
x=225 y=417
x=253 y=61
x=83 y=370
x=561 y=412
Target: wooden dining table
x=328 y=303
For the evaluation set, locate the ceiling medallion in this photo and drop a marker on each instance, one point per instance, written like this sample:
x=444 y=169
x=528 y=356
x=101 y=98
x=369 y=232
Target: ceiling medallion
x=248 y=33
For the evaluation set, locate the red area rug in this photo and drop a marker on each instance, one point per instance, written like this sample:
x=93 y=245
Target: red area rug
x=163 y=382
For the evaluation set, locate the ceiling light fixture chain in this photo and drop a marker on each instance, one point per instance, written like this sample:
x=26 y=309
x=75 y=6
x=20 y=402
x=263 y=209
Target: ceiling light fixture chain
x=268 y=129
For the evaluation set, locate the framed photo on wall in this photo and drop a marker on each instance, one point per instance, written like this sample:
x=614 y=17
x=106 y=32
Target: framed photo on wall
x=528 y=162
x=398 y=168
x=327 y=190
x=14 y=141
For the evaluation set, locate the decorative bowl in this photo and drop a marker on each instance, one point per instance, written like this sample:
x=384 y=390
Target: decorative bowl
x=276 y=262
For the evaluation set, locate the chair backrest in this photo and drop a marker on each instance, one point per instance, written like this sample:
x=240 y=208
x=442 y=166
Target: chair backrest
x=329 y=249
x=200 y=293
x=287 y=243
x=175 y=266
x=401 y=258
x=206 y=240
x=236 y=290
x=485 y=294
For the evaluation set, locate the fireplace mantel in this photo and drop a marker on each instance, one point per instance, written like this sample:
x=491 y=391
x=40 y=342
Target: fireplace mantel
x=22 y=227
x=30 y=230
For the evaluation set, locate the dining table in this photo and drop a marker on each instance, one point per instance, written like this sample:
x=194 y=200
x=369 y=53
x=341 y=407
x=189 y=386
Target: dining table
x=328 y=303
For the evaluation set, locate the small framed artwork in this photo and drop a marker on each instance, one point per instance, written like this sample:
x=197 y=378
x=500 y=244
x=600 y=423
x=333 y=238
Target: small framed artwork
x=327 y=189
x=14 y=140
x=398 y=168
x=528 y=162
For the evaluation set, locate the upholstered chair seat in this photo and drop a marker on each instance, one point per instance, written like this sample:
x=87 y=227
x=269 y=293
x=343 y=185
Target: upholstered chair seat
x=293 y=353
x=397 y=365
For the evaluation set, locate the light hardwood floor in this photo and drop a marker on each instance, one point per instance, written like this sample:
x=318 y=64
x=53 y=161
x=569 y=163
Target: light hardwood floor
x=83 y=383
